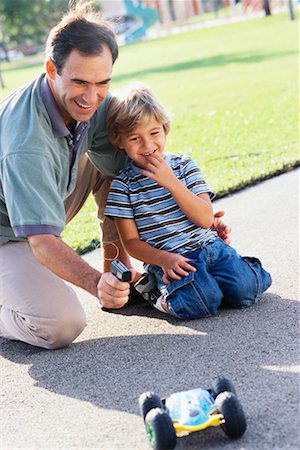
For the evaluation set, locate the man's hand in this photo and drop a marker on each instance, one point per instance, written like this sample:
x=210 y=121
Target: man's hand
x=111 y=292
x=221 y=228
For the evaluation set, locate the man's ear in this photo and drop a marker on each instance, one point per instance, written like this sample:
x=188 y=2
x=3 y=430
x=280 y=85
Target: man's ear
x=50 y=69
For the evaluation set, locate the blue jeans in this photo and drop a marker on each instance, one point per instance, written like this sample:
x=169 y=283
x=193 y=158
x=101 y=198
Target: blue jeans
x=223 y=276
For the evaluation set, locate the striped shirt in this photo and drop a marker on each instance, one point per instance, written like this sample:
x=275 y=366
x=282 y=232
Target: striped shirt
x=159 y=220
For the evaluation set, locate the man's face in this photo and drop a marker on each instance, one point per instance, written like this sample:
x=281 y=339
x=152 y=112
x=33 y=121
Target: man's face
x=82 y=85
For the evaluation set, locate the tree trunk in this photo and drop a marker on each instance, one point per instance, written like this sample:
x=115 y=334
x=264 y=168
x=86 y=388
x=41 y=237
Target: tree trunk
x=267 y=7
x=291 y=9
x=2 y=85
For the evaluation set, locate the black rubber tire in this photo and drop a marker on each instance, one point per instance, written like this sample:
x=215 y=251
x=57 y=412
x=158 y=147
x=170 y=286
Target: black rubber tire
x=160 y=430
x=222 y=384
x=235 y=421
x=148 y=401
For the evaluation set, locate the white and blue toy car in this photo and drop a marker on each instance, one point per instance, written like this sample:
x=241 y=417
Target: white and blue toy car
x=185 y=412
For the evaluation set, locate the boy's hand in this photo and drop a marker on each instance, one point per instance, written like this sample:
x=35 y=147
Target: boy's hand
x=159 y=171
x=176 y=266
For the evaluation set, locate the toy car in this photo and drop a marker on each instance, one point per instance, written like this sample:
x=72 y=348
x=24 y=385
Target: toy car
x=185 y=412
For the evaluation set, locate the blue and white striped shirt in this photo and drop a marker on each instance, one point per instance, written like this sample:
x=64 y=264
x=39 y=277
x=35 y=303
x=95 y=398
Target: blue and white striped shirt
x=159 y=220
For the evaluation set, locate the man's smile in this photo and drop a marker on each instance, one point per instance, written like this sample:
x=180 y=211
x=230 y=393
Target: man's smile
x=81 y=105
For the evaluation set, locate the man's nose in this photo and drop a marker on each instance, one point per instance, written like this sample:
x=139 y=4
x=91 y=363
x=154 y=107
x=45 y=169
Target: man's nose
x=90 y=95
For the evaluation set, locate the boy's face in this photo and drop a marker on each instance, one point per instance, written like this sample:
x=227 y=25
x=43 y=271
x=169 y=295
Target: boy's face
x=144 y=140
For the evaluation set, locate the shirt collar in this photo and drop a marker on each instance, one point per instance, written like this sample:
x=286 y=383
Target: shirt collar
x=134 y=169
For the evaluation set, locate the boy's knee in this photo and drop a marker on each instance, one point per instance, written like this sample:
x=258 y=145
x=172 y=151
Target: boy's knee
x=240 y=295
x=243 y=303
x=191 y=304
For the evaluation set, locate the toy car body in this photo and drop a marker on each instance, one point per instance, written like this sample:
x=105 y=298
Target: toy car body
x=192 y=410
x=185 y=412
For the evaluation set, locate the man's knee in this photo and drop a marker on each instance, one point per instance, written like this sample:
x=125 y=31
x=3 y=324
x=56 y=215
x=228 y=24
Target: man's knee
x=63 y=330
x=50 y=333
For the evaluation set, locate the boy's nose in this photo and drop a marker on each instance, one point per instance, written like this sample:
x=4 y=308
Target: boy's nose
x=148 y=144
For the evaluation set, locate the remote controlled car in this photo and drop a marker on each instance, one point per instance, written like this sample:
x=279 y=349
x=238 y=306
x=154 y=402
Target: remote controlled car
x=185 y=412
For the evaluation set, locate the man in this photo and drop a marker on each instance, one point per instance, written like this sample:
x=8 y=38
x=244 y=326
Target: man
x=51 y=131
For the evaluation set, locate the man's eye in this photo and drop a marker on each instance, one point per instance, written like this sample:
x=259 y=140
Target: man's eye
x=103 y=83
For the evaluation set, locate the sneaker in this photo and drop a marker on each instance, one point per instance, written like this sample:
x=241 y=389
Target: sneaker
x=134 y=297
x=147 y=287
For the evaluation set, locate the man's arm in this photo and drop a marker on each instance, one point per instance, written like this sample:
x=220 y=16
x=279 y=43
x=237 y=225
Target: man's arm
x=58 y=257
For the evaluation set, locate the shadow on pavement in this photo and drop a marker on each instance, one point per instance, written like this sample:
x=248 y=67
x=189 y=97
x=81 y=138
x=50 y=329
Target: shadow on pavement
x=255 y=347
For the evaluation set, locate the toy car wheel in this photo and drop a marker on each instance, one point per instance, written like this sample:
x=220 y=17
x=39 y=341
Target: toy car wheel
x=148 y=401
x=235 y=421
x=222 y=384
x=160 y=430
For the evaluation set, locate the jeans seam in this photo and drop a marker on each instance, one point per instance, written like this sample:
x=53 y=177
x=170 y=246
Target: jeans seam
x=255 y=275
x=200 y=299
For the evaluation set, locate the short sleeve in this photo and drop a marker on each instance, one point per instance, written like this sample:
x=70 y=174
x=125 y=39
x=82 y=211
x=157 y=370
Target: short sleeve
x=118 y=202
x=194 y=179
x=33 y=201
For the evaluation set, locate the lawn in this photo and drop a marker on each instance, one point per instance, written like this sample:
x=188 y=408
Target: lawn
x=233 y=94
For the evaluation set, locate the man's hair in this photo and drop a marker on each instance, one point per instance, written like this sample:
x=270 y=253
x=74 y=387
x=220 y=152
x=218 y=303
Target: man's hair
x=133 y=106
x=82 y=29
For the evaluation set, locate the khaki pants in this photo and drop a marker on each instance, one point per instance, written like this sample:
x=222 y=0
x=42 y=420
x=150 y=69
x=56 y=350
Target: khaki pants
x=36 y=306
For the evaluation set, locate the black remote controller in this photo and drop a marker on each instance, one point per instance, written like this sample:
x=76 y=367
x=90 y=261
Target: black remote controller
x=120 y=270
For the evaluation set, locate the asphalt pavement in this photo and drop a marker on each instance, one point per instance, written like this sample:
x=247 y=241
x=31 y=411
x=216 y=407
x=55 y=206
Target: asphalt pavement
x=85 y=396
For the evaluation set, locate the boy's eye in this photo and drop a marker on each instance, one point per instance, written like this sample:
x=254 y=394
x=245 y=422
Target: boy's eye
x=133 y=138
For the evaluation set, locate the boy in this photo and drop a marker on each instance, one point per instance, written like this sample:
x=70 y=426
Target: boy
x=162 y=208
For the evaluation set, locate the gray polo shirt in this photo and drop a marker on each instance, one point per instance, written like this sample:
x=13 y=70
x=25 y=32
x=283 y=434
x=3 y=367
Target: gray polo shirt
x=39 y=161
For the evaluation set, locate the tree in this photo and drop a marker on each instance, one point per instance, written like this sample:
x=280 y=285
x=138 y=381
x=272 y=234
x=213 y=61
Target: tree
x=291 y=10
x=24 y=21
x=267 y=7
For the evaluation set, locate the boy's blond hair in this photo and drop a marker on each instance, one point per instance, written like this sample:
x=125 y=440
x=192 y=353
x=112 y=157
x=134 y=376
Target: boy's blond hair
x=131 y=107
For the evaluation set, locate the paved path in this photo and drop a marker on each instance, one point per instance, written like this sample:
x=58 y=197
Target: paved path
x=85 y=396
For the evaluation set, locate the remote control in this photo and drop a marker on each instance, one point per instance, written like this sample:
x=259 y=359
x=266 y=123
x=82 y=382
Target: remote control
x=120 y=270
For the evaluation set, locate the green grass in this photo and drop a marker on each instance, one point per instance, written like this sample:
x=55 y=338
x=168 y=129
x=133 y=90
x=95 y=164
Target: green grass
x=233 y=94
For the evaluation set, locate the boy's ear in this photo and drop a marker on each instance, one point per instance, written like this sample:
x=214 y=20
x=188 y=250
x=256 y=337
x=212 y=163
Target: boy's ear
x=50 y=69
x=118 y=144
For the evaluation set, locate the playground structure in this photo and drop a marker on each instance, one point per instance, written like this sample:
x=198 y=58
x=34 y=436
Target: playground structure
x=134 y=19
